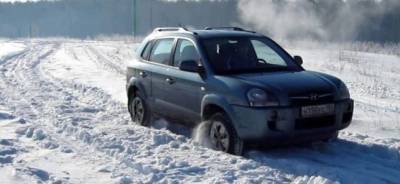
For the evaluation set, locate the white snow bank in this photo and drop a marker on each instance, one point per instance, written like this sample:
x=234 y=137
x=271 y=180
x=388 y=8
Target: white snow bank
x=75 y=61
x=30 y=155
x=8 y=49
x=77 y=128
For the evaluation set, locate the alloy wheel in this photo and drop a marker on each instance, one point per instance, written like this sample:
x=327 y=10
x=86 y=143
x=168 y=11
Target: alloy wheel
x=219 y=136
x=137 y=110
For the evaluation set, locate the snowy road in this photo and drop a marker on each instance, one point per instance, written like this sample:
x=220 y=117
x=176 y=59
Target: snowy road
x=63 y=118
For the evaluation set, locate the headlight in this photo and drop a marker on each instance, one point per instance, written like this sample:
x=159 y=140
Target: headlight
x=259 y=98
x=343 y=92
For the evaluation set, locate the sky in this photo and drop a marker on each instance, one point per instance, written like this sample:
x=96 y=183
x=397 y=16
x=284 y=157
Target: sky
x=338 y=20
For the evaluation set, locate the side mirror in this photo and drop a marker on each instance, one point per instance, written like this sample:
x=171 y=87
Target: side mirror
x=191 y=66
x=298 y=60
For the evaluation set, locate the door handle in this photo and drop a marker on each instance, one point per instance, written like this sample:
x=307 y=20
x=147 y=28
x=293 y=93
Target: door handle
x=143 y=74
x=169 y=80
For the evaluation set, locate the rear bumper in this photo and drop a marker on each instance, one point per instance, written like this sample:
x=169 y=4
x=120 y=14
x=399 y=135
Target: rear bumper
x=286 y=124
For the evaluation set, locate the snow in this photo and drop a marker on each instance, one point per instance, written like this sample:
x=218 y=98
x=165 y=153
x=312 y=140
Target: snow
x=9 y=49
x=63 y=119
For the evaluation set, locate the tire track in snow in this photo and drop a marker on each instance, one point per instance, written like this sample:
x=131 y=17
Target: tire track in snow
x=342 y=160
x=136 y=151
x=27 y=99
x=387 y=168
x=324 y=159
x=101 y=125
x=107 y=63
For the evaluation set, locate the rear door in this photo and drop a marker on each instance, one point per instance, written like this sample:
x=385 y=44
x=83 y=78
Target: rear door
x=143 y=73
x=140 y=70
x=160 y=58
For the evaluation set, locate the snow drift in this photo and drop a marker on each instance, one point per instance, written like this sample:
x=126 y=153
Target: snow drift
x=63 y=118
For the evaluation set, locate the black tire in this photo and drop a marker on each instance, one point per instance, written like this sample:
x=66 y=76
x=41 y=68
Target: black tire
x=139 y=110
x=218 y=122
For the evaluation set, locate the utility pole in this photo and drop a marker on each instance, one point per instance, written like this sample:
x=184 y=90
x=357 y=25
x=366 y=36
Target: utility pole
x=151 y=15
x=134 y=18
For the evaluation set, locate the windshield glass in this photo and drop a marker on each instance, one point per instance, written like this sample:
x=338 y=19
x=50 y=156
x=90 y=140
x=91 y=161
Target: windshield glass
x=246 y=55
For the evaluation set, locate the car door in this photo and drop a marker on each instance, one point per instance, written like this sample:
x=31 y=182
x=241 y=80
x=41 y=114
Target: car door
x=186 y=87
x=160 y=58
x=142 y=70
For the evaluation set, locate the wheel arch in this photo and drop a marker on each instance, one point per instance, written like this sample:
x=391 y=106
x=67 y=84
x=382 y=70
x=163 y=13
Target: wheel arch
x=211 y=109
x=212 y=104
x=132 y=87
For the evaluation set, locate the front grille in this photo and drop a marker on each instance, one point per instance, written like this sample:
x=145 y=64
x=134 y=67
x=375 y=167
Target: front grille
x=302 y=100
x=315 y=122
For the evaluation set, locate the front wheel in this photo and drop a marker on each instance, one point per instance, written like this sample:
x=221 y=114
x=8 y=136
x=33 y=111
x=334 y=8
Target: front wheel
x=139 y=111
x=223 y=136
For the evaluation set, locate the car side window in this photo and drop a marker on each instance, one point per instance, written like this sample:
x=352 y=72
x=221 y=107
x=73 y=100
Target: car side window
x=146 y=51
x=161 y=51
x=185 y=50
x=267 y=55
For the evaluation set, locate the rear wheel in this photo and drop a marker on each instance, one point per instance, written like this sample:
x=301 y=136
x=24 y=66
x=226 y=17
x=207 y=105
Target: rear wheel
x=223 y=136
x=138 y=109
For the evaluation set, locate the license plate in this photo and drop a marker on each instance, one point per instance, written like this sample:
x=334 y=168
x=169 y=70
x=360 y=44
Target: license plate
x=317 y=110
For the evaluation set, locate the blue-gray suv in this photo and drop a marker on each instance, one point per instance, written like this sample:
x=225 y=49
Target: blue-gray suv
x=249 y=89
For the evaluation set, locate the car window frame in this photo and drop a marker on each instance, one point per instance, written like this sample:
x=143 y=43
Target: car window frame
x=149 y=45
x=269 y=46
x=271 y=43
x=176 y=47
x=154 y=41
x=196 y=44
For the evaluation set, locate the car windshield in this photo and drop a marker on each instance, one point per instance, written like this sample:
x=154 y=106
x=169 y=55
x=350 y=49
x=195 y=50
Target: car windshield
x=246 y=55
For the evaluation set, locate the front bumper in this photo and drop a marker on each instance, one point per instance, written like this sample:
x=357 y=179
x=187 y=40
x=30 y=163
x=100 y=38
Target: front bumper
x=286 y=124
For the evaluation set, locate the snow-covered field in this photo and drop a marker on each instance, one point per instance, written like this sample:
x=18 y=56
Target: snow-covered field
x=63 y=119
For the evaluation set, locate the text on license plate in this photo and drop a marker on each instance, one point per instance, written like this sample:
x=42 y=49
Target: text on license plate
x=317 y=110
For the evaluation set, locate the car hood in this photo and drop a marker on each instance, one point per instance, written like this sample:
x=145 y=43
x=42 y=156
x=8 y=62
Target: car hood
x=293 y=83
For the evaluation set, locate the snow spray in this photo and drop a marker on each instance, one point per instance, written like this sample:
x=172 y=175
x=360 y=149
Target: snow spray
x=200 y=134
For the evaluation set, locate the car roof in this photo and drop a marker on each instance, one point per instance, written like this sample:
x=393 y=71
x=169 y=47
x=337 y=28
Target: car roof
x=205 y=33
x=224 y=33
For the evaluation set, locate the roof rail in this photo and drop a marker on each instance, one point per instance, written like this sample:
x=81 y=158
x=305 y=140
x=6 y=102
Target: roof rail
x=224 y=28
x=161 y=29
x=228 y=28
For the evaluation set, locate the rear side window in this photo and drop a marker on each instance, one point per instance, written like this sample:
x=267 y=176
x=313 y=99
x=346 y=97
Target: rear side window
x=161 y=51
x=185 y=50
